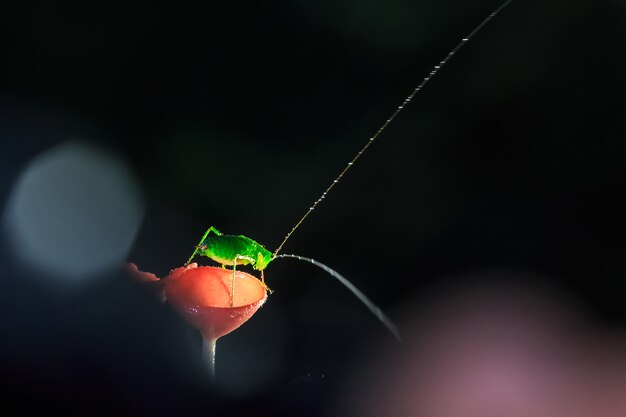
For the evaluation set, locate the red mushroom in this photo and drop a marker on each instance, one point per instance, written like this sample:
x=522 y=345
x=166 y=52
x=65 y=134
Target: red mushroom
x=201 y=295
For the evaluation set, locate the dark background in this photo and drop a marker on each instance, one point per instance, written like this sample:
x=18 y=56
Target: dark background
x=238 y=115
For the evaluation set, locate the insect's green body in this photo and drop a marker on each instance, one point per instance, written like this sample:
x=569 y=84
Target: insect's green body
x=240 y=250
x=233 y=250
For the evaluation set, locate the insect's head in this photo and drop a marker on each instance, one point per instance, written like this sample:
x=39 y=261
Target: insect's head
x=264 y=257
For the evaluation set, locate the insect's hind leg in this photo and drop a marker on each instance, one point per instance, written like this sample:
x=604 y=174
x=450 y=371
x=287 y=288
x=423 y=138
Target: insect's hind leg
x=209 y=230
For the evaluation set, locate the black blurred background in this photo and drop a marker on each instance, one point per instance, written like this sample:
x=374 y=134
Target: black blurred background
x=238 y=115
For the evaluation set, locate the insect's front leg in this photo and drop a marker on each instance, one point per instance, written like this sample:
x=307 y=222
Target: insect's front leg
x=268 y=289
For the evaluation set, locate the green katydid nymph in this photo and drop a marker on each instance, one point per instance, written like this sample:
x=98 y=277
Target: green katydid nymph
x=233 y=250
x=240 y=250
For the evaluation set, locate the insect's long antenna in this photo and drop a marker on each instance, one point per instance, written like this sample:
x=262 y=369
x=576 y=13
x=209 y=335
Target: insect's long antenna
x=368 y=303
x=398 y=109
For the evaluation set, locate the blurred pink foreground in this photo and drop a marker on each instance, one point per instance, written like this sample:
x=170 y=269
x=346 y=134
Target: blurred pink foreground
x=490 y=353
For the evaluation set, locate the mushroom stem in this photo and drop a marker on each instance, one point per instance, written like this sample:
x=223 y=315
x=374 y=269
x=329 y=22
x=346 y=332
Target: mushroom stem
x=209 y=354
